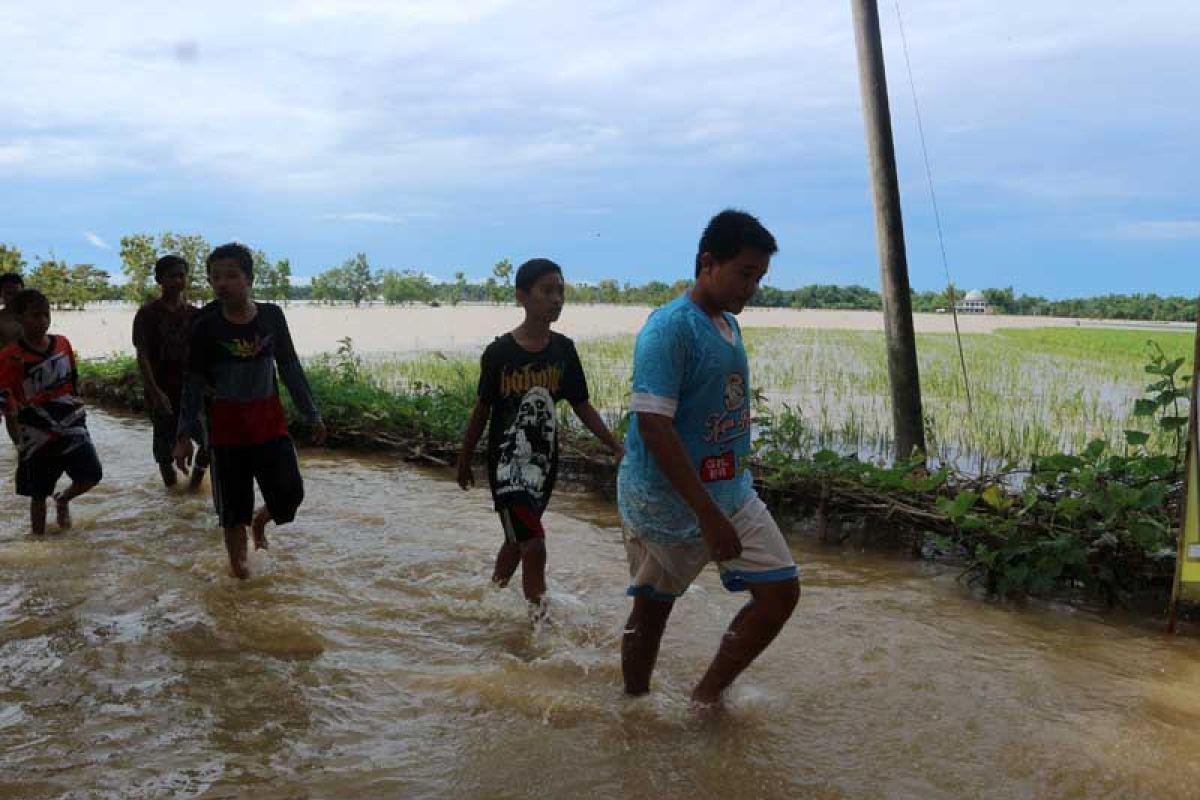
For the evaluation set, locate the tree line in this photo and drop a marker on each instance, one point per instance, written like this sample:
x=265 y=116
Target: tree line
x=355 y=281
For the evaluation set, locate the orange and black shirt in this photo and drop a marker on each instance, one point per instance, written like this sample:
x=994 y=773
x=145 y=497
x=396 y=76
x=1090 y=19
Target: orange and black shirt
x=40 y=387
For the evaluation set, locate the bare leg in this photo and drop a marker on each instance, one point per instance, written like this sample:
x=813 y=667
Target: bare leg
x=196 y=479
x=259 y=528
x=533 y=569
x=754 y=627
x=199 y=466
x=639 y=646
x=235 y=545
x=37 y=516
x=507 y=561
x=169 y=477
x=62 y=502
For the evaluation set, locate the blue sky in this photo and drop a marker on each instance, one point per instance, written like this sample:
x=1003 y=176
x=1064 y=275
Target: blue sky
x=443 y=136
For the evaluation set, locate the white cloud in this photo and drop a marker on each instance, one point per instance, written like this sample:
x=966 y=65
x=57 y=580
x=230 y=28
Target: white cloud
x=96 y=241
x=1160 y=230
x=340 y=97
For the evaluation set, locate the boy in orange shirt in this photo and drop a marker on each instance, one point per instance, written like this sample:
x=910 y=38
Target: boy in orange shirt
x=45 y=418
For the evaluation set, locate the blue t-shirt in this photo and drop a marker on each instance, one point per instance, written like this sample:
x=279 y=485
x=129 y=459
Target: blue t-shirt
x=685 y=369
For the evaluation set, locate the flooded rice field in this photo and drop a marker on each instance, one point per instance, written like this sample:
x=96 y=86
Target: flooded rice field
x=369 y=658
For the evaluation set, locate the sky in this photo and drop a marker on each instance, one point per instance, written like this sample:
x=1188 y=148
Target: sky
x=444 y=136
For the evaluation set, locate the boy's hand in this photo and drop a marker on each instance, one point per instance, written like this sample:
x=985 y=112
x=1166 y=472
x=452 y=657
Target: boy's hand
x=319 y=434
x=720 y=536
x=618 y=455
x=183 y=453
x=158 y=401
x=466 y=478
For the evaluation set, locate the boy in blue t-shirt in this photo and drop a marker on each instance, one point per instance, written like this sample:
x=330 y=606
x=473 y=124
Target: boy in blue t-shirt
x=684 y=490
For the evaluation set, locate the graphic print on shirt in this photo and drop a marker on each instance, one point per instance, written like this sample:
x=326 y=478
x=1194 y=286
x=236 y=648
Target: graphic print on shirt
x=248 y=348
x=40 y=387
x=527 y=449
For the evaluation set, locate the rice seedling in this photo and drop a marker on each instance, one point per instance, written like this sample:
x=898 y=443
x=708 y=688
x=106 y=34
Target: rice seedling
x=1034 y=392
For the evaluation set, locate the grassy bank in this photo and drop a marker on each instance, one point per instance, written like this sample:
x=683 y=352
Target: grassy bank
x=1098 y=520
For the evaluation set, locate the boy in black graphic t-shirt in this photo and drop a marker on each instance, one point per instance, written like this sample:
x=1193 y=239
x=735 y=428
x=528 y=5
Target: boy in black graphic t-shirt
x=523 y=375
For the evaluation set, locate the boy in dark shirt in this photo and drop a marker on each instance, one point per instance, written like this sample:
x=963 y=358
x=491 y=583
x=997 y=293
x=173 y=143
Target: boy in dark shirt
x=523 y=375
x=45 y=418
x=236 y=349
x=10 y=326
x=160 y=334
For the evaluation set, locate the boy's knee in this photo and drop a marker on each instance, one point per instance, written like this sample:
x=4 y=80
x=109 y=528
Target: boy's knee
x=780 y=599
x=533 y=546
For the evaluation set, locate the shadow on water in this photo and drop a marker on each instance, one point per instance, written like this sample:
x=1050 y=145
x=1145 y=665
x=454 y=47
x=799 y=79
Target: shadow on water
x=369 y=658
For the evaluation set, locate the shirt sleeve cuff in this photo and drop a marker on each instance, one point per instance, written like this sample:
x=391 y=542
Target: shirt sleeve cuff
x=653 y=404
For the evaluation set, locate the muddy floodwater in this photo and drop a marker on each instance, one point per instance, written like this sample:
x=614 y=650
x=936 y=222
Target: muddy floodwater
x=368 y=658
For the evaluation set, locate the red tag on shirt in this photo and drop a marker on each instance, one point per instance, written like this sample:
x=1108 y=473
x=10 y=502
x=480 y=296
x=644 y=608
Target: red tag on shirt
x=718 y=468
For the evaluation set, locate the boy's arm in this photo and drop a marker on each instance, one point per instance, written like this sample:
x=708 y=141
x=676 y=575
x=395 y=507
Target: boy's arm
x=663 y=442
x=292 y=375
x=592 y=421
x=475 y=428
x=156 y=398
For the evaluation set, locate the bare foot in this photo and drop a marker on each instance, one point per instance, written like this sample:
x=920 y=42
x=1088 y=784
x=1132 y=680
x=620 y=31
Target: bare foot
x=62 y=512
x=707 y=709
x=169 y=477
x=235 y=545
x=196 y=479
x=259 y=528
x=539 y=611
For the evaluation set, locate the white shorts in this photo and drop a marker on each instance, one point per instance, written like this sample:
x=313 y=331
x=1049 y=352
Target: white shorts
x=665 y=571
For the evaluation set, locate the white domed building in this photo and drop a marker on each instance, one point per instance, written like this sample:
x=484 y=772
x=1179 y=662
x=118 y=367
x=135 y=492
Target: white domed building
x=973 y=302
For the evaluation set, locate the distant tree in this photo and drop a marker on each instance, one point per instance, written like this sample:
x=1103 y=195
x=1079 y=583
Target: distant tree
x=360 y=283
x=460 y=288
x=329 y=286
x=503 y=271
x=86 y=283
x=283 y=280
x=52 y=278
x=138 y=254
x=11 y=259
x=408 y=286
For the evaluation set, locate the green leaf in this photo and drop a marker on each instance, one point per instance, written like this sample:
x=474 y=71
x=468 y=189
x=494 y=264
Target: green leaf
x=1136 y=438
x=1173 y=423
x=956 y=509
x=1145 y=408
x=995 y=497
x=1094 y=449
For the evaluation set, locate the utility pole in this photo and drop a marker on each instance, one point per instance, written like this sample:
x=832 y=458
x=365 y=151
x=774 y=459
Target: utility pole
x=889 y=234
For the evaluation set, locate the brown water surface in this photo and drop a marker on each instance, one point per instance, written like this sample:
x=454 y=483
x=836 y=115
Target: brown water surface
x=368 y=658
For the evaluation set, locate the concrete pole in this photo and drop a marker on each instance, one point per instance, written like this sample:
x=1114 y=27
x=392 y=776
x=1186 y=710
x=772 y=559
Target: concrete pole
x=889 y=234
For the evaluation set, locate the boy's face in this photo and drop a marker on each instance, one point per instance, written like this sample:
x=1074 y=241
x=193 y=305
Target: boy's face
x=173 y=280
x=544 y=300
x=35 y=321
x=229 y=283
x=732 y=283
x=10 y=289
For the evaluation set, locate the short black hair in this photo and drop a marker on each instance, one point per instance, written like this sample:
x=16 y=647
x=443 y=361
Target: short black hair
x=168 y=262
x=235 y=252
x=11 y=278
x=533 y=269
x=26 y=299
x=729 y=232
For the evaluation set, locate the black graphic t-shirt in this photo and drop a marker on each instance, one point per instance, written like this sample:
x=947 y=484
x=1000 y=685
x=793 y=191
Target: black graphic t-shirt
x=522 y=389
